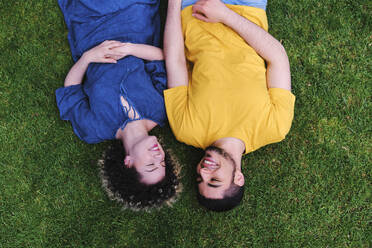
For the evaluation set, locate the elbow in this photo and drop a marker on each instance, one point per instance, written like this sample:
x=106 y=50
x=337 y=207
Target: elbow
x=175 y=61
x=278 y=56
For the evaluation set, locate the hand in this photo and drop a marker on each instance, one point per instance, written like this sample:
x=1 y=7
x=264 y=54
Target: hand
x=123 y=50
x=104 y=53
x=210 y=10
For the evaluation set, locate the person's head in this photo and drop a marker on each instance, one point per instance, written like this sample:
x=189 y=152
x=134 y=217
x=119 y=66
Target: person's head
x=147 y=157
x=220 y=183
x=126 y=185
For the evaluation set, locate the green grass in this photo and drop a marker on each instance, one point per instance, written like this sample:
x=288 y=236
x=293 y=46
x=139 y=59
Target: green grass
x=311 y=190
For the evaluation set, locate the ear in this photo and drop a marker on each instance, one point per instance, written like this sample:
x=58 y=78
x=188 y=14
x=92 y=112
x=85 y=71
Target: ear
x=239 y=178
x=128 y=161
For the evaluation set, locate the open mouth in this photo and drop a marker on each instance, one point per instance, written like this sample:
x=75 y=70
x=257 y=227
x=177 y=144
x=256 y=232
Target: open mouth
x=209 y=164
x=155 y=148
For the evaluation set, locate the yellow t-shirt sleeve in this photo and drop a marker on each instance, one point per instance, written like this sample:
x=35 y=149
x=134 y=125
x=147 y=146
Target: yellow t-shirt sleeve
x=282 y=104
x=278 y=120
x=175 y=104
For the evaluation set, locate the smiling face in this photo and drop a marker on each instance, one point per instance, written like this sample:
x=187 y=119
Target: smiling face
x=147 y=157
x=215 y=173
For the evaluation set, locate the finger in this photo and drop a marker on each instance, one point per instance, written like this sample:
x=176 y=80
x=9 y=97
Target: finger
x=115 y=57
x=118 y=57
x=109 y=60
x=110 y=50
x=116 y=45
x=200 y=17
x=115 y=53
x=110 y=43
x=123 y=44
x=197 y=8
x=200 y=2
x=106 y=42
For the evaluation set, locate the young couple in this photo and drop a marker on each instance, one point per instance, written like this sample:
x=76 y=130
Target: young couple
x=226 y=89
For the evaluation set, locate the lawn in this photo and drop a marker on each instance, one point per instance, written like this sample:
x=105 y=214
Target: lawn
x=311 y=190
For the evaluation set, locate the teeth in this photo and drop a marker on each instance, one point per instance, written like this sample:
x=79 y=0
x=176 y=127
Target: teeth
x=208 y=162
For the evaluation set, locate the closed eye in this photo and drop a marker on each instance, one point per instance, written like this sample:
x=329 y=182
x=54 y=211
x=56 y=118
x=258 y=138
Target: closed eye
x=152 y=169
x=213 y=185
x=162 y=164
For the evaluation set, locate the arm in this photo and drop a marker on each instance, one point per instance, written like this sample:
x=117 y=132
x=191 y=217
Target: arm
x=141 y=51
x=102 y=53
x=174 y=53
x=270 y=49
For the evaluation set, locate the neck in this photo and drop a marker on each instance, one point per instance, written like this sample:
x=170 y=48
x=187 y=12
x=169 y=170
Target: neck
x=235 y=147
x=133 y=132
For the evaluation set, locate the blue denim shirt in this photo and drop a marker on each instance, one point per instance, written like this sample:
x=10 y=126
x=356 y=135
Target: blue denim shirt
x=94 y=108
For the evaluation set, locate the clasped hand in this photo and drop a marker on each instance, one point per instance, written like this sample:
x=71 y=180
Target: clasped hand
x=210 y=10
x=108 y=51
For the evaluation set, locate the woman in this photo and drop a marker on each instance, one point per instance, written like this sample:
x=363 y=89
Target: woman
x=115 y=46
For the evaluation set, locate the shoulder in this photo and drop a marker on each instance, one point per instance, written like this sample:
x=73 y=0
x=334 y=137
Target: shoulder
x=175 y=103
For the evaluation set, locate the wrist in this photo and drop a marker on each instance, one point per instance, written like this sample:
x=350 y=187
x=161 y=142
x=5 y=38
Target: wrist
x=175 y=4
x=227 y=16
x=130 y=48
x=85 y=59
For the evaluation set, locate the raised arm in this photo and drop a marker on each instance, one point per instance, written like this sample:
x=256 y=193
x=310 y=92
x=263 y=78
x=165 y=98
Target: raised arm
x=174 y=51
x=270 y=49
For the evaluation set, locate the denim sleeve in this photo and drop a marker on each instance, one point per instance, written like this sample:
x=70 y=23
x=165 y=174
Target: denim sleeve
x=73 y=105
x=156 y=70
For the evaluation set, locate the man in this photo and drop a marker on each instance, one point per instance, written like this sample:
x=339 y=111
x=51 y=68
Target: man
x=224 y=99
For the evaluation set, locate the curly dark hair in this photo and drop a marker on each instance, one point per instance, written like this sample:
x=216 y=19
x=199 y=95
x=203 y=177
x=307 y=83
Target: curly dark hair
x=123 y=184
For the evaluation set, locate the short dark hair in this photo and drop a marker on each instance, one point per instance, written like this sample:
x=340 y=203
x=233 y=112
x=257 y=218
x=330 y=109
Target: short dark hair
x=231 y=198
x=123 y=184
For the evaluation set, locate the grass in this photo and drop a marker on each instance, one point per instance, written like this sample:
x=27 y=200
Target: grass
x=311 y=190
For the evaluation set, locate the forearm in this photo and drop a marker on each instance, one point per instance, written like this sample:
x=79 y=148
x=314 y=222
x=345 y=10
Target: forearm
x=102 y=53
x=261 y=41
x=269 y=48
x=76 y=74
x=174 y=51
x=146 y=52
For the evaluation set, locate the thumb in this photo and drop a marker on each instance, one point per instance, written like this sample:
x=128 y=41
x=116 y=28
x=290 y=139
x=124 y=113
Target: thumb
x=200 y=17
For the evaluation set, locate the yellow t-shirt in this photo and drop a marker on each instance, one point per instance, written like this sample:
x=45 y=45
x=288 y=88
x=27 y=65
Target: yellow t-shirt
x=227 y=95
